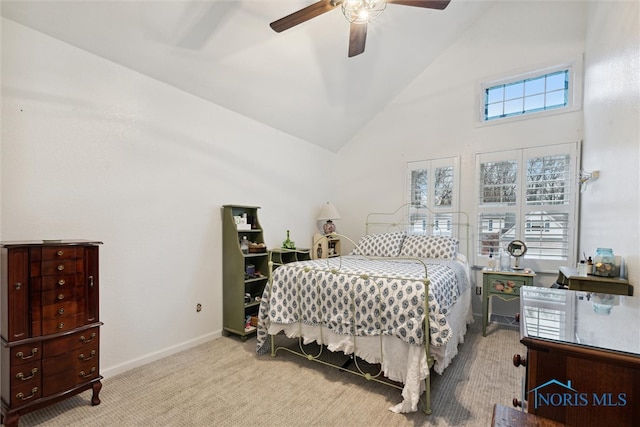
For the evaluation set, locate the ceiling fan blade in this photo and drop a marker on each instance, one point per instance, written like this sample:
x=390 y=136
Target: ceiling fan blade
x=357 y=39
x=429 y=4
x=304 y=15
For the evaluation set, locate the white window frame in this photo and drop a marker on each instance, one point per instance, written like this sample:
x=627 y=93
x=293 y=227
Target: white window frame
x=521 y=208
x=432 y=211
x=574 y=96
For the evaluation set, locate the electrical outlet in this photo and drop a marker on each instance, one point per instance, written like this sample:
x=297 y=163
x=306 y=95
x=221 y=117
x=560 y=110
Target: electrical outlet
x=198 y=308
x=478 y=290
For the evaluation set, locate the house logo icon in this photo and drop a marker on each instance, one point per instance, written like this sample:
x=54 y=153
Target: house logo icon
x=540 y=398
x=557 y=393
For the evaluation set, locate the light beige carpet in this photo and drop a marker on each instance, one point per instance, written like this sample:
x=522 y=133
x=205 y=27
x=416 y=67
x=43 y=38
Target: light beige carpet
x=224 y=383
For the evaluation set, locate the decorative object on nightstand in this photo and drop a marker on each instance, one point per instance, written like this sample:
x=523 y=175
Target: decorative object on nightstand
x=243 y=272
x=504 y=285
x=50 y=324
x=325 y=246
x=288 y=244
x=604 y=263
x=517 y=249
x=328 y=213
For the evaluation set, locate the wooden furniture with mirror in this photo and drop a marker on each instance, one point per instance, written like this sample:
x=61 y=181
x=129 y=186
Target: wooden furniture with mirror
x=50 y=324
x=583 y=356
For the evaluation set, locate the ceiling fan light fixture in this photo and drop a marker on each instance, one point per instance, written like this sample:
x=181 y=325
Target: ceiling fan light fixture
x=362 y=11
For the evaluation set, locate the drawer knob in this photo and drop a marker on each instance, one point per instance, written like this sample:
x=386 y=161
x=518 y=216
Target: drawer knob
x=61 y=311
x=61 y=267
x=21 y=376
x=61 y=282
x=83 y=357
x=519 y=360
x=60 y=325
x=516 y=403
x=20 y=355
x=60 y=296
x=84 y=340
x=18 y=286
x=21 y=395
x=60 y=253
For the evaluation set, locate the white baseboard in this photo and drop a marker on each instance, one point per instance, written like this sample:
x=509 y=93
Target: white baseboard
x=151 y=357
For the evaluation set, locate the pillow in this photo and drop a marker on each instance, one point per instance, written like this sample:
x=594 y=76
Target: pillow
x=429 y=247
x=383 y=245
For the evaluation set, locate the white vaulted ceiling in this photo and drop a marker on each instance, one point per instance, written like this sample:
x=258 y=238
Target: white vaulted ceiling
x=299 y=81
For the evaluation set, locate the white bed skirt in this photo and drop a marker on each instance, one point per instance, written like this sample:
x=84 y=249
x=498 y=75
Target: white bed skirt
x=400 y=361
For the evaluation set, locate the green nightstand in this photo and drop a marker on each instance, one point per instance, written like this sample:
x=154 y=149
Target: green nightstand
x=504 y=285
x=281 y=256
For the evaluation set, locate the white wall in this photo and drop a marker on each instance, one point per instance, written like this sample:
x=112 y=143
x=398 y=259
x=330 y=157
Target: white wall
x=435 y=117
x=610 y=207
x=93 y=150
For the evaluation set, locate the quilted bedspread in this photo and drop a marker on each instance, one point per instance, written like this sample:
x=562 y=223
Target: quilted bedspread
x=353 y=295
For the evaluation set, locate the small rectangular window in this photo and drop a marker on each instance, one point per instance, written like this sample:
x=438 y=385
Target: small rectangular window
x=530 y=95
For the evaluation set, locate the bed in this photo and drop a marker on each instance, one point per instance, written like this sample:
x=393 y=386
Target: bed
x=399 y=300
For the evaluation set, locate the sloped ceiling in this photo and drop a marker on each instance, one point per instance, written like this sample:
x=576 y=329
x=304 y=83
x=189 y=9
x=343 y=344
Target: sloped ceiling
x=299 y=81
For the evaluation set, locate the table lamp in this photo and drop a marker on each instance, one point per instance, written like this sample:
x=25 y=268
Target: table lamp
x=328 y=213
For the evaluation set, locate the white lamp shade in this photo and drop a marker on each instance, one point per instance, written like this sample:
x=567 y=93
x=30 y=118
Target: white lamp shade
x=328 y=212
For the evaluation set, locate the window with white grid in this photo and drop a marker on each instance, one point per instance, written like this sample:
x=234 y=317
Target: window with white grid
x=529 y=195
x=531 y=95
x=432 y=188
x=544 y=91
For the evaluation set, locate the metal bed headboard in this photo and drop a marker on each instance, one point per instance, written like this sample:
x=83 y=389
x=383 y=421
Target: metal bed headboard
x=398 y=220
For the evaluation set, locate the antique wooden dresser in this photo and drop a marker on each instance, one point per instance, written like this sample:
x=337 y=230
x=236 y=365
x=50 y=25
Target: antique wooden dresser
x=50 y=324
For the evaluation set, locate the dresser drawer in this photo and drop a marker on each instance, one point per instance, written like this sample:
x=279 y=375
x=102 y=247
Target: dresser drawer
x=26 y=374
x=25 y=353
x=65 y=380
x=57 y=267
x=506 y=285
x=82 y=339
x=56 y=311
x=21 y=394
x=78 y=359
x=59 y=282
x=57 y=296
x=60 y=252
x=64 y=323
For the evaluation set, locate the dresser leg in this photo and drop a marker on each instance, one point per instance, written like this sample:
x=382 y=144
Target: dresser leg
x=11 y=419
x=95 y=399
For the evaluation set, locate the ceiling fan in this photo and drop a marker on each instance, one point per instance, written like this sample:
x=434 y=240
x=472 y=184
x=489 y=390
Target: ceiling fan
x=358 y=12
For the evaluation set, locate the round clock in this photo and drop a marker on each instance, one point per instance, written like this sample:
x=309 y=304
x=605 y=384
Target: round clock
x=517 y=249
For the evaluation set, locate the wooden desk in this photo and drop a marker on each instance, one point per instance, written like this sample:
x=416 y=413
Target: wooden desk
x=606 y=285
x=503 y=416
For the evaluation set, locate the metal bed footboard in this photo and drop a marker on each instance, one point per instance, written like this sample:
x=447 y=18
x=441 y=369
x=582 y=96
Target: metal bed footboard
x=377 y=377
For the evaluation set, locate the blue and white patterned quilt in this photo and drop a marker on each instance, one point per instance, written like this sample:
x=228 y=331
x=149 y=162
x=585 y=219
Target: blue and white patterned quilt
x=353 y=295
